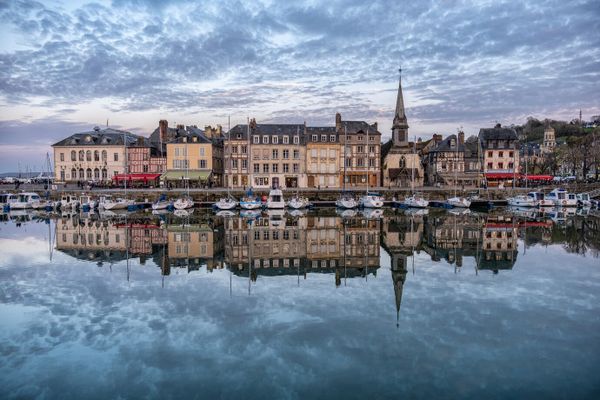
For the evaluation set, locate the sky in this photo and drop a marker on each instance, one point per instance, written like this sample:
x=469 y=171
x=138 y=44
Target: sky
x=66 y=67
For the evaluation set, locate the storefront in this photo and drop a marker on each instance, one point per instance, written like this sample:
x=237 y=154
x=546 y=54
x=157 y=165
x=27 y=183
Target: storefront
x=137 y=180
x=181 y=179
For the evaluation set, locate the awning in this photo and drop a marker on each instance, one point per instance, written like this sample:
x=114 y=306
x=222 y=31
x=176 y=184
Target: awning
x=537 y=177
x=501 y=175
x=183 y=175
x=135 y=177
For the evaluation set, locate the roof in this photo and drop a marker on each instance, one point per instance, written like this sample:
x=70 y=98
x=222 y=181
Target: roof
x=240 y=131
x=497 y=133
x=352 y=127
x=100 y=137
x=446 y=145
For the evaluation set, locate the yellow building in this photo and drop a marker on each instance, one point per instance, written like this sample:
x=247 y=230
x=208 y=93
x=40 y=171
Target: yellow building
x=192 y=157
x=323 y=150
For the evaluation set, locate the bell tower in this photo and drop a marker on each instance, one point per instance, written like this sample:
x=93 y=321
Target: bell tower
x=400 y=125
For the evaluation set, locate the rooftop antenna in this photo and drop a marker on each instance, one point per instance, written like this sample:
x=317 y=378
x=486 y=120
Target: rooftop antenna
x=107 y=122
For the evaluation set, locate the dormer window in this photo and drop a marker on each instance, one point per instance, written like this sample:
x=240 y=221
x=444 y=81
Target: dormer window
x=323 y=138
x=452 y=142
x=314 y=138
x=286 y=139
x=88 y=138
x=184 y=139
x=275 y=140
x=360 y=138
x=332 y=138
x=194 y=139
x=239 y=135
x=255 y=139
x=265 y=139
x=296 y=139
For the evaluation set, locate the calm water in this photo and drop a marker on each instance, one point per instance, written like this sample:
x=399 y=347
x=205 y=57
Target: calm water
x=476 y=306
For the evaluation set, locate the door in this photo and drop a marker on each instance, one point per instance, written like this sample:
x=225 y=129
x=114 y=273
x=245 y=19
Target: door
x=311 y=181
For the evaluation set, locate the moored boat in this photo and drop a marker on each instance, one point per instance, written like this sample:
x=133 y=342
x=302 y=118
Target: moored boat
x=541 y=199
x=562 y=198
x=227 y=203
x=583 y=199
x=413 y=201
x=522 y=201
x=25 y=200
x=118 y=204
x=68 y=202
x=346 y=201
x=371 y=200
x=298 y=202
x=458 y=201
x=183 y=203
x=275 y=200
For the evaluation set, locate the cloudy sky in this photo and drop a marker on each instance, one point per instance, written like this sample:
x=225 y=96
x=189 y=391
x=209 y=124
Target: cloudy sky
x=67 y=66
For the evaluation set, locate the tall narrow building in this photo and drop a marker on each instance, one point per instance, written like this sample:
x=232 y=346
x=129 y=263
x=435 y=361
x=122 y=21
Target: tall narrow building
x=401 y=161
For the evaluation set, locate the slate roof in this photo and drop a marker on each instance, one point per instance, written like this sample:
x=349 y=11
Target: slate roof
x=267 y=129
x=497 y=133
x=444 y=145
x=352 y=127
x=99 y=137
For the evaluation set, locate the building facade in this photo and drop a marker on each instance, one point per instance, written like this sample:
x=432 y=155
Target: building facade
x=96 y=155
x=360 y=158
x=549 y=143
x=323 y=150
x=500 y=148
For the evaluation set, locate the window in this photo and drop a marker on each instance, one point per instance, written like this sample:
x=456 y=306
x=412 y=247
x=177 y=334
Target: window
x=73 y=155
x=201 y=163
x=286 y=168
x=202 y=151
x=348 y=162
x=489 y=165
x=360 y=149
x=275 y=168
x=296 y=167
x=116 y=156
x=332 y=138
x=234 y=164
x=265 y=139
x=489 y=154
x=88 y=173
x=256 y=139
x=314 y=138
x=256 y=168
x=296 y=139
x=510 y=165
x=275 y=154
x=511 y=154
x=360 y=162
x=266 y=168
x=62 y=175
x=62 y=156
x=360 y=138
x=275 y=139
x=372 y=138
x=500 y=154
x=323 y=138
x=323 y=153
x=244 y=149
x=296 y=154
x=244 y=164
x=104 y=173
x=313 y=167
x=371 y=162
x=371 y=149
x=285 y=139
x=88 y=156
x=313 y=153
x=74 y=173
x=286 y=154
x=332 y=153
x=81 y=155
x=96 y=155
x=500 y=165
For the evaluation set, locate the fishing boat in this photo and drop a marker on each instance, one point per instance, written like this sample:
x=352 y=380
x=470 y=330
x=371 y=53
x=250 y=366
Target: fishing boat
x=413 y=201
x=541 y=199
x=87 y=203
x=275 y=200
x=370 y=199
x=68 y=202
x=25 y=200
x=561 y=198
x=522 y=201
x=583 y=200
x=6 y=199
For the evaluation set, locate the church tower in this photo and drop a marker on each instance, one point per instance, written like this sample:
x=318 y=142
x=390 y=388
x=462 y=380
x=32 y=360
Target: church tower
x=400 y=125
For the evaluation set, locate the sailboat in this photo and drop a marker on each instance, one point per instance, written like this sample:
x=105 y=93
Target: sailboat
x=298 y=202
x=183 y=203
x=370 y=200
x=457 y=201
x=414 y=201
x=162 y=203
x=346 y=200
x=227 y=203
x=250 y=201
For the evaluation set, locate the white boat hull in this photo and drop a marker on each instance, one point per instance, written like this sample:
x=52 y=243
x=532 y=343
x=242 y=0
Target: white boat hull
x=225 y=204
x=459 y=202
x=297 y=204
x=371 y=202
x=161 y=205
x=250 y=205
x=415 y=202
x=346 y=203
x=182 y=204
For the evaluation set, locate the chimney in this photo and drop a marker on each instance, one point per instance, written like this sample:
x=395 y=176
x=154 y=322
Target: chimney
x=461 y=137
x=437 y=138
x=140 y=141
x=253 y=124
x=375 y=125
x=498 y=126
x=180 y=126
x=338 y=122
x=219 y=132
x=208 y=131
x=163 y=129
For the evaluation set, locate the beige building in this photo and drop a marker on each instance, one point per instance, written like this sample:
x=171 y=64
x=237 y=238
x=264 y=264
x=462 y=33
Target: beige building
x=549 y=143
x=323 y=149
x=500 y=149
x=97 y=155
x=360 y=156
x=277 y=155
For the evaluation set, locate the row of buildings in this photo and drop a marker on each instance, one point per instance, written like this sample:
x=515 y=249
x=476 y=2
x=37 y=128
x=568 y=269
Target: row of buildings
x=348 y=154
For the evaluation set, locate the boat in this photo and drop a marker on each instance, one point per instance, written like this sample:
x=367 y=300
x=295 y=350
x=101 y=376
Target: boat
x=346 y=212
x=413 y=201
x=416 y=211
x=6 y=199
x=541 y=199
x=181 y=213
x=372 y=213
x=298 y=202
x=227 y=203
x=346 y=201
x=276 y=216
x=370 y=199
x=225 y=213
x=561 y=198
x=86 y=202
x=102 y=200
x=522 y=201
x=250 y=214
x=162 y=203
x=298 y=212
x=42 y=204
x=24 y=201
x=118 y=204
x=583 y=199
x=183 y=203
x=275 y=199
x=68 y=201
x=458 y=201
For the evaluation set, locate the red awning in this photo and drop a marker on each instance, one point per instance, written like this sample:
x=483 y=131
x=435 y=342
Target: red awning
x=538 y=177
x=136 y=177
x=501 y=175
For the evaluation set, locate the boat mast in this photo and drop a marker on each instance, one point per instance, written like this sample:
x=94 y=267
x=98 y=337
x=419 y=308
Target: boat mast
x=367 y=148
x=125 y=169
x=456 y=166
x=345 y=147
x=230 y=154
x=412 y=175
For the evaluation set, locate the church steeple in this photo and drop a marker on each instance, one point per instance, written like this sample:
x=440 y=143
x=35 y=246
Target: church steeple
x=400 y=125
